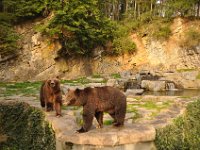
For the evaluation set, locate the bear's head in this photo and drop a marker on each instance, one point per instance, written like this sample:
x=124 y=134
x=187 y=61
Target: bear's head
x=73 y=98
x=54 y=84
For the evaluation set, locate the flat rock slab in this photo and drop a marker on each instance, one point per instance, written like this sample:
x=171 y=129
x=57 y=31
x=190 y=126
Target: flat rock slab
x=110 y=136
x=66 y=126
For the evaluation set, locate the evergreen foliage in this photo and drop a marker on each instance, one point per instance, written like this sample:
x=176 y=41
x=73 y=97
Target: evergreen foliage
x=8 y=37
x=80 y=27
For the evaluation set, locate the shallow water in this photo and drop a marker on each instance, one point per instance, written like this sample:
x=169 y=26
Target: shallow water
x=185 y=92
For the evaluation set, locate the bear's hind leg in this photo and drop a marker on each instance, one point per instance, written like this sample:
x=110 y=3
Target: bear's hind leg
x=120 y=116
x=99 y=117
x=113 y=116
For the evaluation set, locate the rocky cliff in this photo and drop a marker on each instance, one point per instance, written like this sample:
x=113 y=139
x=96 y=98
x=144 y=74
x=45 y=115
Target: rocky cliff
x=37 y=59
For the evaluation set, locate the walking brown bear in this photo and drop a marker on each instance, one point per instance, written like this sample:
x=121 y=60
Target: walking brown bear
x=97 y=100
x=51 y=96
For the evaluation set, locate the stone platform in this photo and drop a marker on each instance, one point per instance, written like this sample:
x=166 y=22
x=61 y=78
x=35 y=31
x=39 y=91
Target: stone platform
x=136 y=134
x=131 y=136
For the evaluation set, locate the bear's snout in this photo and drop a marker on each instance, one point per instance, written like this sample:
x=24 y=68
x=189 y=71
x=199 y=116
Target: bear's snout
x=52 y=83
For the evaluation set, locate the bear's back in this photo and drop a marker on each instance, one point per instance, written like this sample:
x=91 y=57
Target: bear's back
x=109 y=93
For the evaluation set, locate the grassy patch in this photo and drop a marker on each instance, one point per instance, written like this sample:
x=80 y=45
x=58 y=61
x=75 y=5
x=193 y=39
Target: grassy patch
x=158 y=29
x=133 y=110
x=186 y=70
x=149 y=105
x=116 y=75
x=82 y=80
x=20 y=88
x=165 y=105
x=198 y=76
x=191 y=38
x=96 y=76
x=107 y=122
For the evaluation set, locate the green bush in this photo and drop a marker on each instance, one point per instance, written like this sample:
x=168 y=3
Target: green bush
x=192 y=38
x=183 y=133
x=122 y=41
x=162 y=32
x=8 y=40
x=25 y=128
x=123 y=44
x=25 y=9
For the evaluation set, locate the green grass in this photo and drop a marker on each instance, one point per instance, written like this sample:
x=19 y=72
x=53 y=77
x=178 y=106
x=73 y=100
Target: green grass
x=191 y=38
x=20 y=88
x=149 y=105
x=186 y=70
x=82 y=80
x=116 y=75
x=107 y=122
x=96 y=76
x=134 y=111
x=198 y=76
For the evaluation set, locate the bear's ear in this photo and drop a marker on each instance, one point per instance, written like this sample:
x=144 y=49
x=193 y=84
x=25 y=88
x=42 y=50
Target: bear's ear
x=77 y=92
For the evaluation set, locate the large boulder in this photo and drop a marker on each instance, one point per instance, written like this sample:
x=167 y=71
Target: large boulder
x=153 y=85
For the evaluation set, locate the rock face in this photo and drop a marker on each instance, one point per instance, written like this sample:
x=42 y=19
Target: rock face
x=38 y=58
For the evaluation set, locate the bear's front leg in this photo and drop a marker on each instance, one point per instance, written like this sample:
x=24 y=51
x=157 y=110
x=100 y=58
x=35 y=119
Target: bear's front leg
x=99 y=117
x=49 y=106
x=57 y=105
x=88 y=115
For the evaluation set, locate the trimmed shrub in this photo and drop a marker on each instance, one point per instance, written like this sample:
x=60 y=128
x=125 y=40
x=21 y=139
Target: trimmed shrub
x=183 y=133
x=25 y=128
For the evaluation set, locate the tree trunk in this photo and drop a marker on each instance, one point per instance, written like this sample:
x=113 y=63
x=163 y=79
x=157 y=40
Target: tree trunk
x=135 y=9
x=198 y=8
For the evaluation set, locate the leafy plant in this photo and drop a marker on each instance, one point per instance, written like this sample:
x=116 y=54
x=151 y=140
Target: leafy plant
x=122 y=41
x=25 y=127
x=183 y=133
x=192 y=38
x=8 y=40
x=116 y=75
x=162 y=32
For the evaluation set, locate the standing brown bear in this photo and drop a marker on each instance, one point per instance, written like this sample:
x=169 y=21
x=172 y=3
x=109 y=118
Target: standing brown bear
x=97 y=100
x=51 y=96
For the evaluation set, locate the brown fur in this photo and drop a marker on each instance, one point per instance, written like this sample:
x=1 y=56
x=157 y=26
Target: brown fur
x=97 y=100
x=51 y=96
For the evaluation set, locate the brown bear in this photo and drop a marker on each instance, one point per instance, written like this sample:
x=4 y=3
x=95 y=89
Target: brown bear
x=51 y=96
x=97 y=100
